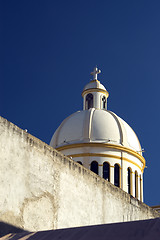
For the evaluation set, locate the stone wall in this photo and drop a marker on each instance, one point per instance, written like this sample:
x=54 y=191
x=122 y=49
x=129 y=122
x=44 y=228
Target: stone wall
x=42 y=189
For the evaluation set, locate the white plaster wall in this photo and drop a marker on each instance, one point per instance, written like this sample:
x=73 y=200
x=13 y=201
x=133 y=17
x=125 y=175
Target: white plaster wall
x=133 y=162
x=41 y=189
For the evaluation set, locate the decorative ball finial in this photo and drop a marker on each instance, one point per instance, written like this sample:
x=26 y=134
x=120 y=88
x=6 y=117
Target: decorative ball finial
x=95 y=72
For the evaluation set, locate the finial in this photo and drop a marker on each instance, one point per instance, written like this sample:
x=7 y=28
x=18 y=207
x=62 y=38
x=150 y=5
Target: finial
x=95 y=72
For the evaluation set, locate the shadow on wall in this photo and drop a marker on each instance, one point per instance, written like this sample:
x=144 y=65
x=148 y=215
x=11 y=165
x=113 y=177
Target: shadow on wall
x=6 y=228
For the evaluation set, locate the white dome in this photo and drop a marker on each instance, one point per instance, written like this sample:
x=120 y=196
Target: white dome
x=95 y=126
x=96 y=136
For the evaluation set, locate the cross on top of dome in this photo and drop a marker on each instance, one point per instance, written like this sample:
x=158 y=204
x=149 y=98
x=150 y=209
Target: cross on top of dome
x=95 y=72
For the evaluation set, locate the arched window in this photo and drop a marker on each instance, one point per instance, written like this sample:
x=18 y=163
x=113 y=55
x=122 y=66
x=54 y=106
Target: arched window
x=106 y=171
x=79 y=162
x=116 y=175
x=103 y=102
x=129 y=180
x=136 y=184
x=94 y=167
x=89 y=101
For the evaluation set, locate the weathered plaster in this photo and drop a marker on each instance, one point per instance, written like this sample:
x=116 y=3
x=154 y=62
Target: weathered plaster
x=42 y=189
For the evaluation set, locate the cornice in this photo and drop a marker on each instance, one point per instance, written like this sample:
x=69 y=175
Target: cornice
x=104 y=145
x=95 y=90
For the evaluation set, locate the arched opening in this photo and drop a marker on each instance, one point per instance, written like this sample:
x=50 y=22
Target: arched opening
x=104 y=102
x=136 y=184
x=89 y=101
x=116 y=175
x=94 y=167
x=106 y=171
x=140 y=187
x=79 y=162
x=129 y=180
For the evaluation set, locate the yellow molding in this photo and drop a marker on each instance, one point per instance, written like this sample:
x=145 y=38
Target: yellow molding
x=104 y=145
x=95 y=90
x=104 y=155
x=96 y=80
x=93 y=155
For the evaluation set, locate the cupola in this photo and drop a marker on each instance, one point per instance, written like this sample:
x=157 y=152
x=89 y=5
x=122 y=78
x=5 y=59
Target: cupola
x=94 y=93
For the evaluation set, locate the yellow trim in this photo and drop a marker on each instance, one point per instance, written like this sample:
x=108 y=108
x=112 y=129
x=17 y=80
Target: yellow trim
x=96 y=80
x=93 y=155
x=95 y=90
x=106 y=145
x=104 y=155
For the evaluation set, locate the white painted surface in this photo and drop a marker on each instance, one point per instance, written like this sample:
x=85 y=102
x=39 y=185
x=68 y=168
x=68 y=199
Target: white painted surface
x=41 y=189
x=98 y=126
x=94 y=84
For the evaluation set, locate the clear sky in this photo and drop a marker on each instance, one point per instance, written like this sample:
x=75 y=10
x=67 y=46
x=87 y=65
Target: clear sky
x=48 y=49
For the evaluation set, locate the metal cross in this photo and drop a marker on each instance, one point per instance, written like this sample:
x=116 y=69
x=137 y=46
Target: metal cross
x=95 y=73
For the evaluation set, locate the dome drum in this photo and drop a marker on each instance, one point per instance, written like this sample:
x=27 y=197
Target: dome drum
x=112 y=152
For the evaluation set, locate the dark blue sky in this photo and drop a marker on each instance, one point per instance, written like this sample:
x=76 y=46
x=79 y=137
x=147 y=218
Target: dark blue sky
x=48 y=49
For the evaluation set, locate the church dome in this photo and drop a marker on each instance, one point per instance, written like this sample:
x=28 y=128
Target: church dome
x=95 y=126
x=101 y=141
